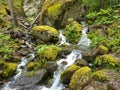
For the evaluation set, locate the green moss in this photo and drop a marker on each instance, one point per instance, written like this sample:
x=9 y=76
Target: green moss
x=102 y=49
x=3 y=9
x=5 y=46
x=67 y=74
x=30 y=74
x=106 y=61
x=80 y=77
x=73 y=32
x=48 y=52
x=101 y=75
x=9 y=70
x=42 y=28
x=33 y=66
x=54 y=11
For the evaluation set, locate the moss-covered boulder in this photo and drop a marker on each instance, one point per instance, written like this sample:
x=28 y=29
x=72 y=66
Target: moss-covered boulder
x=48 y=52
x=44 y=33
x=56 y=13
x=54 y=10
x=29 y=79
x=9 y=70
x=101 y=75
x=102 y=49
x=99 y=50
x=67 y=73
x=73 y=32
x=80 y=78
x=107 y=79
x=106 y=61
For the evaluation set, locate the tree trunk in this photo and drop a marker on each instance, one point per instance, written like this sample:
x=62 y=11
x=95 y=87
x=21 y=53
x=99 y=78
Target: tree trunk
x=15 y=22
x=102 y=4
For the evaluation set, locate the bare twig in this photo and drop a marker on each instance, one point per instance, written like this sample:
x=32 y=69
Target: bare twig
x=36 y=19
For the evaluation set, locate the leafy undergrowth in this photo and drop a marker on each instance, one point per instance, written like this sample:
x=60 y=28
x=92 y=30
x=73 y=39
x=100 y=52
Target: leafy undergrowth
x=106 y=28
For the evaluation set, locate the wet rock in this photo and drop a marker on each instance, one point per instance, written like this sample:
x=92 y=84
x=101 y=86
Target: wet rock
x=28 y=79
x=81 y=62
x=67 y=73
x=64 y=63
x=88 y=57
x=80 y=78
x=44 y=34
x=51 y=67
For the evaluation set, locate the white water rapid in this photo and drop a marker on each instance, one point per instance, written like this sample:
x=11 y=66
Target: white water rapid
x=70 y=59
x=20 y=67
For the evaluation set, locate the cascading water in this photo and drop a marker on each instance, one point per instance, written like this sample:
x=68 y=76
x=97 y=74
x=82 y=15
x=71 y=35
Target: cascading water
x=69 y=60
x=75 y=54
x=20 y=67
x=62 y=39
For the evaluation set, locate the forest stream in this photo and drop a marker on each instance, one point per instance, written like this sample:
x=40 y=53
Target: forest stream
x=59 y=44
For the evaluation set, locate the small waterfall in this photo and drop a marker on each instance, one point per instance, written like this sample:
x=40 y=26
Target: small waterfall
x=75 y=54
x=20 y=67
x=62 y=39
x=84 y=41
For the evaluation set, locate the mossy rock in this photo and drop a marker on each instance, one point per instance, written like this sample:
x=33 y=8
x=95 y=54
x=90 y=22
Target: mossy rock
x=48 y=52
x=108 y=77
x=33 y=66
x=101 y=75
x=81 y=62
x=102 y=49
x=107 y=61
x=9 y=70
x=54 y=10
x=80 y=78
x=73 y=32
x=56 y=13
x=44 y=33
x=67 y=73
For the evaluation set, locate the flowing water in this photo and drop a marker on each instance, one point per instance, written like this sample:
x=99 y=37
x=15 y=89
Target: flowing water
x=20 y=67
x=75 y=54
x=62 y=39
x=69 y=60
